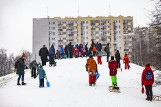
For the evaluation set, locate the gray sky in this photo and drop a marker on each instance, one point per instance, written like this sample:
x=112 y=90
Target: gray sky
x=16 y=16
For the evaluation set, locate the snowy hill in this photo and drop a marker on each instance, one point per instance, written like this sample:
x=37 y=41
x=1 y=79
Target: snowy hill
x=69 y=88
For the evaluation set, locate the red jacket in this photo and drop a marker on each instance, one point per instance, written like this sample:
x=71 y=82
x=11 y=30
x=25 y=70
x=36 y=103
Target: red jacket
x=126 y=59
x=143 y=80
x=113 y=67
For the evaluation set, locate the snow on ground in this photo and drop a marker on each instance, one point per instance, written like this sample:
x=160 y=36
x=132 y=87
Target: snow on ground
x=69 y=88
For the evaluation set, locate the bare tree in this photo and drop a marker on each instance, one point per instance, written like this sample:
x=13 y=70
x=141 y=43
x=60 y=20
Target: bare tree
x=156 y=37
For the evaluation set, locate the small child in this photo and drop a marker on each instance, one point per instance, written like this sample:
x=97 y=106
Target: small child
x=91 y=68
x=147 y=80
x=112 y=64
x=42 y=75
x=99 y=56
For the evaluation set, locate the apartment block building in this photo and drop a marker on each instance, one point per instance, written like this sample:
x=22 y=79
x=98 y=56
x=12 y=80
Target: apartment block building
x=117 y=31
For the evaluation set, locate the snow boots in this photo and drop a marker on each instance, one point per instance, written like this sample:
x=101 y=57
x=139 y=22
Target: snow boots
x=23 y=83
x=149 y=98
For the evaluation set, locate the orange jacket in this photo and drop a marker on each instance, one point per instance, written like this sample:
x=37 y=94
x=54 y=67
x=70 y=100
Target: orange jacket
x=91 y=65
x=94 y=49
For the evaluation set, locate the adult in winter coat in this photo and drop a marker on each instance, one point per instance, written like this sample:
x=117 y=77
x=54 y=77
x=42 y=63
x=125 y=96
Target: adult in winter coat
x=112 y=64
x=70 y=48
x=147 y=79
x=126 y=61
x=99 y=47
x=107 y=50
x=91 y=68
x=21 y=69
x=86 y=48
x=33 y=66
x=117 y=56
x=43 y=53
x=52 y=52
x=51 y=55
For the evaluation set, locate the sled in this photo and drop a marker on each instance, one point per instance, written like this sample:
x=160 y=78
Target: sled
x=47 y=83
x=114 y=89
x=97 y=75
x=157 y=97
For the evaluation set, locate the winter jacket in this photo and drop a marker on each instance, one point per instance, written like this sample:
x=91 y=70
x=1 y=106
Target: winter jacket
x=99 y=53
x=61 y=50
x=33 y=64
x=76 y=51
x=107 y=49
x=20 y=66
x=91 y=65
x=43 y=53
x=41 y=73
x=117 y=56
x=112 y=64
x=143 y=80
x=52 y=50
x=126 y=59
x=94 y=49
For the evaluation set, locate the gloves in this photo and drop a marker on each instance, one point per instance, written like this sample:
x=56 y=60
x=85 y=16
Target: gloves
x=90 y=73
x=45 y=76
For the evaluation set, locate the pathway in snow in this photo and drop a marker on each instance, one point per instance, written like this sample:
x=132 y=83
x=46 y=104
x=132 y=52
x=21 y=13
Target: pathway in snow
x=69 y=88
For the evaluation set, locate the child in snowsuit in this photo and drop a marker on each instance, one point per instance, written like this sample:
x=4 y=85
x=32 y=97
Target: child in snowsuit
x=126 y=61
x=147 y=80
x=112 y=64
x=91 y=68
x=33 y=66
x=42 y=75
x=99 y=56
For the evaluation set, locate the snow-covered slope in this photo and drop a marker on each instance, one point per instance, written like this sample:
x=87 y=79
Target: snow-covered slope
x=69 y=88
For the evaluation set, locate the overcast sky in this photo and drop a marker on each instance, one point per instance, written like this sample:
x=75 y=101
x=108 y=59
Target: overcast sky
x=16 y=16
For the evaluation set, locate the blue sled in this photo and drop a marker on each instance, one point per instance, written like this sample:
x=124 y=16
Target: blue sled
x=47 y=83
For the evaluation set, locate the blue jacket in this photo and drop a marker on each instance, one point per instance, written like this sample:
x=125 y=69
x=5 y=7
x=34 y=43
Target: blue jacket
x=41 y=73
x=52 y=51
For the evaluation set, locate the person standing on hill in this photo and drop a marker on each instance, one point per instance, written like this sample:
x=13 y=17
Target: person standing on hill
x=117 y=56
x=43 y=53
x=91 y=68
x=147 y=79
x=126 y=61
x=20 y=66
x=99 y=57
x=42 y=75
x=107 y=50
x=33 y=67
x=112 y=64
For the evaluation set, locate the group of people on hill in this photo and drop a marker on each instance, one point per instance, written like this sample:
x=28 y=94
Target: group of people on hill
x=20 y=71
x=147 y=78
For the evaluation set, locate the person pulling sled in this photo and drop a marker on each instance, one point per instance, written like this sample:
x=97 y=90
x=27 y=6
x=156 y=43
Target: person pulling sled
x=91 y=68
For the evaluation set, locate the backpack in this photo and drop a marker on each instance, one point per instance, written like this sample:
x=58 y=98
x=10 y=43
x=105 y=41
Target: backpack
x=148 y=75
x=16 y=64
